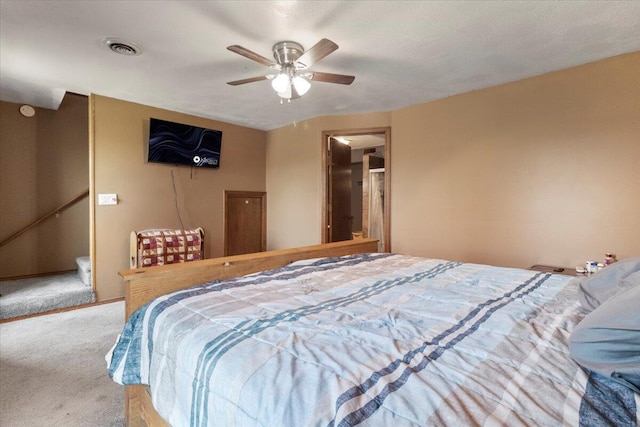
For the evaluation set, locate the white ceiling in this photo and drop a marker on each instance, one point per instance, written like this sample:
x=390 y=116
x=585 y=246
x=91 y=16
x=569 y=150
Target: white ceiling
x=401 y=52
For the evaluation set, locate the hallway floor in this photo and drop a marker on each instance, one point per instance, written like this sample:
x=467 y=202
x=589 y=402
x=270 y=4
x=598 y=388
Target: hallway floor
x=39 y=294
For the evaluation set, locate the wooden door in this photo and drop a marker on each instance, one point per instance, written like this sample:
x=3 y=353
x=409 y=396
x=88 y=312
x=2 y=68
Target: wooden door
x=339 y=173
x=245 y=222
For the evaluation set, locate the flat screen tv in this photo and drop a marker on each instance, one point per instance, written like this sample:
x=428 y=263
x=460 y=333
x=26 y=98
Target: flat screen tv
x=180 y=144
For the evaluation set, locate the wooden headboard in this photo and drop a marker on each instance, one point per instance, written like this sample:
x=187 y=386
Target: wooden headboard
x=144 y=284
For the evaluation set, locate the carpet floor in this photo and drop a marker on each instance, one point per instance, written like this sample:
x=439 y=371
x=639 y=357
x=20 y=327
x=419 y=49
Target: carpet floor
x=53 y=372
x=39 y=294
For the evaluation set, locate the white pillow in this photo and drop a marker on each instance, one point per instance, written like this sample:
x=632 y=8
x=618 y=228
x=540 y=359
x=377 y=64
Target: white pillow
x=599 y=287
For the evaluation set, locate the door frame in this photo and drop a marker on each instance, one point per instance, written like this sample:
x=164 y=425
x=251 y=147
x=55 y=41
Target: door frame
x=387 y=183
x=251 y=194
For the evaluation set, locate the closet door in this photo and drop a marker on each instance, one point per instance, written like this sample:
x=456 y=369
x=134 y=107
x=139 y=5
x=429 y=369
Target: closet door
x=245 y=222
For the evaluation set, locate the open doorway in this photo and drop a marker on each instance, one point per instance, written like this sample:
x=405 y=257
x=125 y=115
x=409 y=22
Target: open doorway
x=356 y=197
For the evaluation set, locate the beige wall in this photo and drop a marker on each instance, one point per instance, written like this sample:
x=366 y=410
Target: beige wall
x=294 y=177
x=44 y=162
x=145 y=190
x=543 y=170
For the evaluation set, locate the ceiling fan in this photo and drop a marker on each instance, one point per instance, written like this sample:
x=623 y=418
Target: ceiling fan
x=292 y=64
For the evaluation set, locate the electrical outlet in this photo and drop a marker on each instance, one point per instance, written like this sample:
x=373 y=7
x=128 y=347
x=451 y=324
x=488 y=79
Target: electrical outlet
x=107 y=199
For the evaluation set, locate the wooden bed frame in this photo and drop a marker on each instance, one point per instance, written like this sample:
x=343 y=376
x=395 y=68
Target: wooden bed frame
x=144 y=284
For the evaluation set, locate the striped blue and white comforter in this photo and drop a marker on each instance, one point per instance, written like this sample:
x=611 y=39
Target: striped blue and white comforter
x=372 y=340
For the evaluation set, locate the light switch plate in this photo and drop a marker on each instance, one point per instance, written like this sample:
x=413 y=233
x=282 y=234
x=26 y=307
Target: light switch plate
x=107 y=199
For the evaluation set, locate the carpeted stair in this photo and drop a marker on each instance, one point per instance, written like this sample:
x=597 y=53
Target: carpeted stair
x=84 y=269
x=40 y=294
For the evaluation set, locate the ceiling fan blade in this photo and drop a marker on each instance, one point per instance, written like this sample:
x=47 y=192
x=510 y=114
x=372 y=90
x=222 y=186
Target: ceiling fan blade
x=249 y=80
x=332 y=78
x=321 y=49
x=251 y=55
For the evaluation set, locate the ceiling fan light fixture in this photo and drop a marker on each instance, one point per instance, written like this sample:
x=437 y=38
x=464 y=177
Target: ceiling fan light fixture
x=281 y=83
x=289 y=87
x=301 y=84
x=287 y=94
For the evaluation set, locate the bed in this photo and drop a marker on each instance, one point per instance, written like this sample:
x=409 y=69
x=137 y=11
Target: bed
x=339 y=335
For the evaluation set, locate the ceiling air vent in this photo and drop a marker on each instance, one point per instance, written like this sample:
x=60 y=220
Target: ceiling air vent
x=122 y=47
